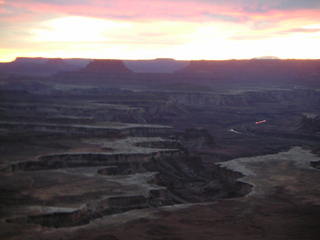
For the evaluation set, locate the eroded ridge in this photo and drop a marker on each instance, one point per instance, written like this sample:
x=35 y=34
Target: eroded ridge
x=290 y=169
x=138 y=173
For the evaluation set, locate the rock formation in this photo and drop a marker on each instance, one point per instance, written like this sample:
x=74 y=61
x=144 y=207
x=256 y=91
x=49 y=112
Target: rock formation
x=38 y=66
x=106 y=66
x=257 y=70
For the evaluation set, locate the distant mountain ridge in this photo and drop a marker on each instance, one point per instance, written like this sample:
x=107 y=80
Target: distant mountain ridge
x=255 y=70
x=42 y=66
x=159 y=65
x=49 y=66
x=171 y=71
x=253 y=64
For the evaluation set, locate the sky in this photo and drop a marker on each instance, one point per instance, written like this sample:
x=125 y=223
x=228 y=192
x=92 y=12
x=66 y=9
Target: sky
x=146 y=29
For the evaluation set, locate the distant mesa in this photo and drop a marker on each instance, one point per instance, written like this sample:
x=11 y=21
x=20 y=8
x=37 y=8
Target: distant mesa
x=251 y=70
x=199 y=66
x=42 y=66
x=29 y=60
x=40 y=61
x=209 y=66
x=267 y=58
x=255 y=66
x=106 y=66
x=55 y=61
x=76 y=62
x=165 y=59
x=159 y=65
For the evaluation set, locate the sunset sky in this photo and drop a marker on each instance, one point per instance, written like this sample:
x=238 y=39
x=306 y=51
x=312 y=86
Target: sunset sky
x=143 y=29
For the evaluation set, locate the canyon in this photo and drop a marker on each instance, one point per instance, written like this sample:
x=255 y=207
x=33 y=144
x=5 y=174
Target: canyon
x=105 y=149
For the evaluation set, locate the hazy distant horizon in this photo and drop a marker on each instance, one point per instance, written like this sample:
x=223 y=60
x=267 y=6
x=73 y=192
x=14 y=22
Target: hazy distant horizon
x=153 y=59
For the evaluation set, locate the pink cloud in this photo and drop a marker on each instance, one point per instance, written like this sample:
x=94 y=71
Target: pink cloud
x=179 y=10
x=235 y=20
x=137 y=10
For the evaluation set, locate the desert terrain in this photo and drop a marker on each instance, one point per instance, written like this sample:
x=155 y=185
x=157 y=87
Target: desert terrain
x=107 y=150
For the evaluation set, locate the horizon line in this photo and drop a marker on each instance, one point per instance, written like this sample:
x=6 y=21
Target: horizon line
x=164 y=58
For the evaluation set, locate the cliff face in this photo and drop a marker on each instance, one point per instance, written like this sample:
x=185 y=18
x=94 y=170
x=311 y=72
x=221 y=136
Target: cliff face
x=196 y=139
x=83 y=130
x=106 y=66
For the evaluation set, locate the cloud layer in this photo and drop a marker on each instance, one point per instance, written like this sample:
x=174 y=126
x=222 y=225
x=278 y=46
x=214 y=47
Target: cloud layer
x=157 y=28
